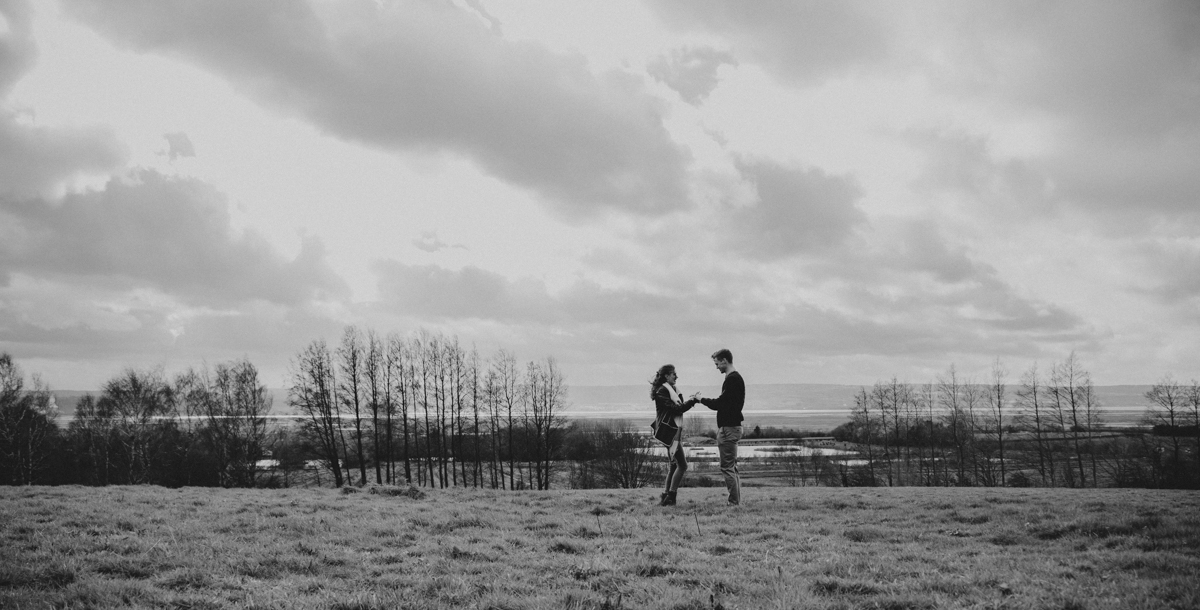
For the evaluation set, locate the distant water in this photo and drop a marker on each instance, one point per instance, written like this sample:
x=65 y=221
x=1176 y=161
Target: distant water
x=803 y=406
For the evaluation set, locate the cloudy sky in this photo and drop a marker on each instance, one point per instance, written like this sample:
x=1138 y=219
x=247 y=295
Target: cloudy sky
x=838 y=192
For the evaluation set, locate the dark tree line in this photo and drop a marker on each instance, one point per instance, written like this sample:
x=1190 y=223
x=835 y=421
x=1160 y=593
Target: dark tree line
x=423 y=410
x=1048 y=431
x=202 y=428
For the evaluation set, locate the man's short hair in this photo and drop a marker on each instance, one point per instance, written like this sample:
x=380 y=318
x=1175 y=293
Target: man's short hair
x=723 y=354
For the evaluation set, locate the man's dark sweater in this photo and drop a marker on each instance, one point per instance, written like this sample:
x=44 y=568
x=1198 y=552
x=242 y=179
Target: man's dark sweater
x=729 y=404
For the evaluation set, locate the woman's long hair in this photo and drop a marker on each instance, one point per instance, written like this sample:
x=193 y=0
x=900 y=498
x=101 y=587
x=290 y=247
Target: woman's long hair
x=660 y=377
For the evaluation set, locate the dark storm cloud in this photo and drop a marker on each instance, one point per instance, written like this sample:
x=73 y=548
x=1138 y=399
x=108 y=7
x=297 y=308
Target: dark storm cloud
x=35 y=159
x=168 y=233
x=428 y=76
x=691 y=71
x=798 y=210
x=803 y=42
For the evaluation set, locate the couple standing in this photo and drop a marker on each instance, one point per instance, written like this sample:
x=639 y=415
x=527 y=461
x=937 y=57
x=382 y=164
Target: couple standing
x=669 y=404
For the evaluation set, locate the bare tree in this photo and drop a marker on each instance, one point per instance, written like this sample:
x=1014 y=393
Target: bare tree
x=972 y=401
x=622 y=457
x=1166 y=416
x=950 y=392
x=403 y=364
x=351 y=362
x=230 y=407
x=1193 y=420
x=375 y=381
x=1076 y=409
x=493 y=402
x=143 y=408
x=313 y=393
x=94 y=434
x=476 y=406
x=996 y=416
x=546 y=395
x=865 y=429
x=508 y=393
x=1033 y=414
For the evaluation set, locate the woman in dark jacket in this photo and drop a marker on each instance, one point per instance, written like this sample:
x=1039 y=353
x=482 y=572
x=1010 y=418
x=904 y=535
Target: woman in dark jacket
x=668 y=402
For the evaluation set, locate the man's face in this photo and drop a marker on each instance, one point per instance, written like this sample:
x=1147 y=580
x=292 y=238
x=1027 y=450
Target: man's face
x=722 y=364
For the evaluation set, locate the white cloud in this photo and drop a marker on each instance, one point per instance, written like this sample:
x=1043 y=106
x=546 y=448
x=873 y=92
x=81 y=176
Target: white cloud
x=797 y=210
x=429 y=76
x=36 y=159
x=804 y=42
x=179 y=145
x=691 y=72
x=152 y=230
x=429 y=242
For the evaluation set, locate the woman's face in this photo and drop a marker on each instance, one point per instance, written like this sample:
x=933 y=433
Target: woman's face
x=671 y=377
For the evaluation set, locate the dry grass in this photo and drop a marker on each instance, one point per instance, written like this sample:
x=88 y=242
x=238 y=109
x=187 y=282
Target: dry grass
x=147 y=547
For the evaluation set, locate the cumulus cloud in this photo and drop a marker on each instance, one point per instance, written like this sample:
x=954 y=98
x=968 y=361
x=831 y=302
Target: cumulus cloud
x=430 y=242
x=804 y=42
x=18 y=51
x=1171 y=270
x=797 y=210
x=100 y=329
x=690 y=71
x=471 y=292
x=173 y=234
x=961 y=163
x=36 y=159
x=915 y=273
x=179 y=145
x=1118 y=80
x=429 y=76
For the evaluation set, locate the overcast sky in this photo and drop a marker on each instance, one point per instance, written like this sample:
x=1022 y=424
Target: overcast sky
x=839 y=192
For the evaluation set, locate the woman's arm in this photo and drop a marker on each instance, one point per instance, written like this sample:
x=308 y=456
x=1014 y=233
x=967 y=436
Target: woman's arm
x=662 y=400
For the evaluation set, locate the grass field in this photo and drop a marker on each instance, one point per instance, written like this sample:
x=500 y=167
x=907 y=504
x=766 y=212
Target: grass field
x=149 y=547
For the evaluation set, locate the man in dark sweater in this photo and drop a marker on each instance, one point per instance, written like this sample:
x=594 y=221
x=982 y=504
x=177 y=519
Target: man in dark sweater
x=729 y=421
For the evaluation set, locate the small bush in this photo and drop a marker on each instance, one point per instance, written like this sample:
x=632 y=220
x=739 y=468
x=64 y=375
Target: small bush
x=56 y=577
x=565 y=547
x=842 y=587
x=182 y=580
x=651 y=570
x=409 y=491
x=862 y=534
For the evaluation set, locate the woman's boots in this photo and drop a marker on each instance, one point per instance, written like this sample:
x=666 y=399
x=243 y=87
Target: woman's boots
x=667 y=498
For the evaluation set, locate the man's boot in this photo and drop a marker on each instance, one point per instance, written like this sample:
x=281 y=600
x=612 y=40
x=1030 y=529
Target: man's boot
x=669 y=500
x=662 y=499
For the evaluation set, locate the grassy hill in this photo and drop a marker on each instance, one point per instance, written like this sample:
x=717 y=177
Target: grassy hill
x=825 y=548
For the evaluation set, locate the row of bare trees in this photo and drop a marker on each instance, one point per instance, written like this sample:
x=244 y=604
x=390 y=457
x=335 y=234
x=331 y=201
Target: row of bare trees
x=418 y=409
x=1050 y=431
x=424 y=410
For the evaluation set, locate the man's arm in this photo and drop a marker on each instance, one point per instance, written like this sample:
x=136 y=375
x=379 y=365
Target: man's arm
x=732 y=392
